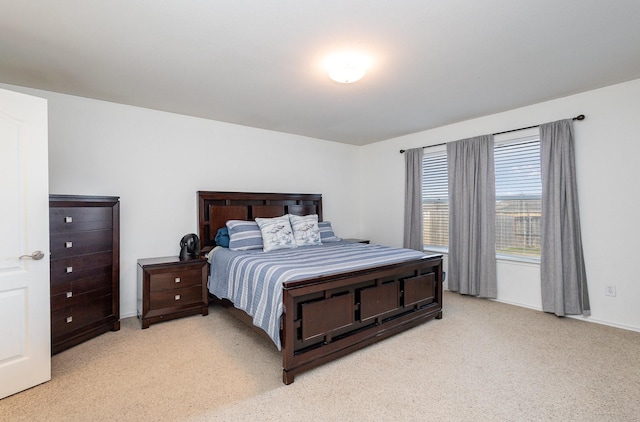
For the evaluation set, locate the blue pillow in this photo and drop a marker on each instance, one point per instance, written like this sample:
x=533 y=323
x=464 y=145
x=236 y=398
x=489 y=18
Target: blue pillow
x=326 y=232
x=222 y=237
x=244 y=235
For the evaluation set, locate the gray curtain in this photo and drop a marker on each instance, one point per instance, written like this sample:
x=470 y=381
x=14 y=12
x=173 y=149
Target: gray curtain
x=472 y=209
x=562 y=269
x=413 y=199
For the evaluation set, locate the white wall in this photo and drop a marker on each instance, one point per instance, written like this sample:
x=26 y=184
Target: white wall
x=607 y=151
x=156 y=162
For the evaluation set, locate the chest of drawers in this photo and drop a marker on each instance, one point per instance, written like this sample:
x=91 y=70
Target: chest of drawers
x=171 y=288
x=85 y=269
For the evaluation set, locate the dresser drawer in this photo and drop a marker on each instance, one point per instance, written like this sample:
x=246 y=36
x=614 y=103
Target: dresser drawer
x=72 y=292
x=175 y=298
x=172 y=279
x=77 y=267
x=64 y=245
x=92 y=279
x=81 y=262
x=71 y=318
x=74 y=219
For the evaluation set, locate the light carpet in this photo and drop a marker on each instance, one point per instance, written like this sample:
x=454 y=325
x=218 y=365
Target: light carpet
x=484 y=361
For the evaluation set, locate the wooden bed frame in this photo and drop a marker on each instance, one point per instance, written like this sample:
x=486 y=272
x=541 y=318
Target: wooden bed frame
x=330 y=316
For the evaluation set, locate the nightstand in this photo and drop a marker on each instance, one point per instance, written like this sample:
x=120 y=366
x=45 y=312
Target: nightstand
x=169 y=288
x=357 y=240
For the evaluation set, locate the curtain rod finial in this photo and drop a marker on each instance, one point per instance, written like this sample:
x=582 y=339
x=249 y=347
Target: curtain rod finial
x=401 y=151
x=580 y=117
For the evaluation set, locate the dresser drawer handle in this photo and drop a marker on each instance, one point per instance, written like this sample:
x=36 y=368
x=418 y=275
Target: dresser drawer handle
x=177 y=279
x=69 y=270
x=68 y=219
x=69 y=319
x=68 y=245
x=69 y=294
x=177 y=297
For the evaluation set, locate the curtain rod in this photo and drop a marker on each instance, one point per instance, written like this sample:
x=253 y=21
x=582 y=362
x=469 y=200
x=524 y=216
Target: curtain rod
x=580 y=117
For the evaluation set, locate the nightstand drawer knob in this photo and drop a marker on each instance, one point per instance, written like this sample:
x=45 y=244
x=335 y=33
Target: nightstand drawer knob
x=68 y=244
x=69 y=294
x=177 y=280
x=69 y=319
x=177 y=297
x=69 y=270
x=68 y=219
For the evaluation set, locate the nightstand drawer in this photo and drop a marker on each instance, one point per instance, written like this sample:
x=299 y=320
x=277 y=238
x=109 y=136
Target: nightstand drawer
x=175 y=279
x=64 y=245
x=176 y=297
x=74 y=219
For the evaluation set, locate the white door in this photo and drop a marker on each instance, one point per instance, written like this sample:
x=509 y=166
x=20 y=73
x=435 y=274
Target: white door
x=25 y=332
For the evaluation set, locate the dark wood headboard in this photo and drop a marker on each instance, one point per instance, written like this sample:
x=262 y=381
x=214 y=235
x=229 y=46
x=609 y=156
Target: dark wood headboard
x=216 y=208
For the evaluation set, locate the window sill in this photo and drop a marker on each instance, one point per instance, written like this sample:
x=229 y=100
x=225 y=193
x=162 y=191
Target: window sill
x=499 y=257
x=435 y=249
x=518 y=259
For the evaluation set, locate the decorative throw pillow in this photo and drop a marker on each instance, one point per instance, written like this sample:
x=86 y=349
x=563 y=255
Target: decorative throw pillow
x=326 y=232
x=305 y=229
x=244 y=235
x=276 y=233
x=222 y=237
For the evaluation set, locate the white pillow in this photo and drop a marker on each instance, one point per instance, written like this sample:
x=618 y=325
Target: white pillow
x=276 y=233
x=305 y=229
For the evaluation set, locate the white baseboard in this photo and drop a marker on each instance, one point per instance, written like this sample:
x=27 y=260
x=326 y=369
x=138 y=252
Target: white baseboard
x=578 y=317
x=129 y=315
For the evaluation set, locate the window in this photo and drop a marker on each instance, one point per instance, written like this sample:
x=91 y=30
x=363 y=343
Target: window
x=435 y=200
x=518 y=198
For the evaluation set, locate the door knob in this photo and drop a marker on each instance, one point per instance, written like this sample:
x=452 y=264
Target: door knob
x=37 y=255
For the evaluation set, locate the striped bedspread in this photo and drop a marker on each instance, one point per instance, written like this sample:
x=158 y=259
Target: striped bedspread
x=253 y=280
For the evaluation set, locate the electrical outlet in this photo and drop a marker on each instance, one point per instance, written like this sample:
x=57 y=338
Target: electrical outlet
x=610 y=290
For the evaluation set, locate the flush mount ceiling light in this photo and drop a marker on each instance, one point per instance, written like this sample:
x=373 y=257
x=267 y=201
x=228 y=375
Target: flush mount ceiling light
x=347 y=67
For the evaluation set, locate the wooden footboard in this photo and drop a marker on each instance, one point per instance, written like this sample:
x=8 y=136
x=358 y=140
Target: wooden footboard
x=331 y=316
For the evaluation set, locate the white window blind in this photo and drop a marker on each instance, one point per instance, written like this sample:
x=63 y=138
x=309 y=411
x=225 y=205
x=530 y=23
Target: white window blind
x=518 y=197
x=435 y=200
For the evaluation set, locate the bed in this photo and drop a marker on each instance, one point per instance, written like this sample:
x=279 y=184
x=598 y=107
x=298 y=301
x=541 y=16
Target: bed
x=325 y=315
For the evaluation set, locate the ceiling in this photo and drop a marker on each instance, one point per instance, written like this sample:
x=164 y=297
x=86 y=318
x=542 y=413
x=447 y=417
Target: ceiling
x=259 y=63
